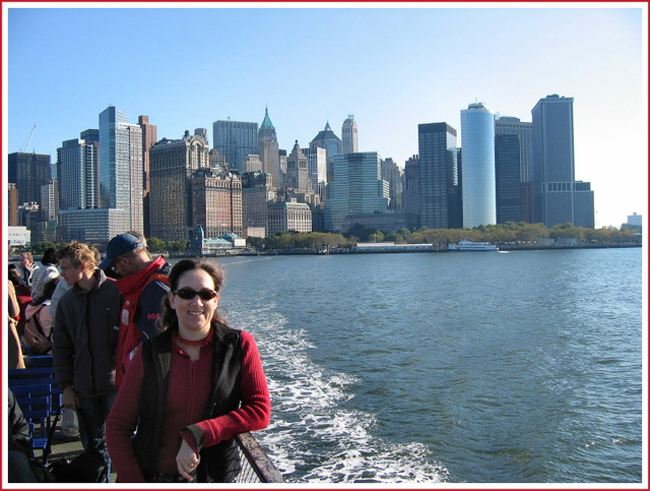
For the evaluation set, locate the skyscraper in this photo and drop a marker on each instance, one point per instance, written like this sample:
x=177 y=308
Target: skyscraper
x=507 y=125
x=349 y=135
x=78 y=172
x=172 y=164
x=298 y=171
x=120 y=167
x=508 y=172
x=558 y=197
x=268 y=150
x=234 y=140
x=357 y=189
x=439 y=191
x=412 y=187
x=29 y=171
x=392 y=174
x=331 y=143
x=478 y=173
x=149 y=139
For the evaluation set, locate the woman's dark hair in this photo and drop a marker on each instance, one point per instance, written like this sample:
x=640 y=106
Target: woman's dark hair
x=212 y=268
x=50 y=256
x=14 y=276
x=48 y=291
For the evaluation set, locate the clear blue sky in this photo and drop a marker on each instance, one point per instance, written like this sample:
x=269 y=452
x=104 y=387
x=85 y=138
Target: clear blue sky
x=391 y=66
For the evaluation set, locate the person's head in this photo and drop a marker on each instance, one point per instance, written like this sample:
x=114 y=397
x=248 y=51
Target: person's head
x=76 y=261
x=126 y=254
x=26 y=260
x=14 y=275
x=194 y=297
x=50 y=256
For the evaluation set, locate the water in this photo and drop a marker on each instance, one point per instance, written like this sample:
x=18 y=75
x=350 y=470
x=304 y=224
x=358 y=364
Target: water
x=523 y=367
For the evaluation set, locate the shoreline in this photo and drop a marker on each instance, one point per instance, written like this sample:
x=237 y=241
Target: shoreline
x=438 y=249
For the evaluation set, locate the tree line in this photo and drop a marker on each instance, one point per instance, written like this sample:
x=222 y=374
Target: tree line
x=510 y=232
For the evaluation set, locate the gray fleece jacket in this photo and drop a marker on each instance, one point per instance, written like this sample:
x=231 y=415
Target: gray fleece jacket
x=84 y=341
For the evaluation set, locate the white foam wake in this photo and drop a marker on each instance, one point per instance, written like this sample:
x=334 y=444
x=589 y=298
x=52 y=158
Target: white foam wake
x=312 y=438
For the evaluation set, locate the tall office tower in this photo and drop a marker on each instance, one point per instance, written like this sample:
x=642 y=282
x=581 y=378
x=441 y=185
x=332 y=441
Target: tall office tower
x=439 y=189
x=412 y=187
x=120 y=168
x=12 y=211
x=283 y=165
x=559 y=198
x=268 y=150
x=357 y=188
x=298 y=171
x=149 y=139
x=170 y=200
x=508 y=178
x=78 y=172
x=317 y=163
x=234 y=140
x=256 y=193
x=49 y=201
x=506 y=125
x=331 y=143
x=216 y=203
x=29 y=171
x=392 y=174
x=478 y=173
x=349 y=135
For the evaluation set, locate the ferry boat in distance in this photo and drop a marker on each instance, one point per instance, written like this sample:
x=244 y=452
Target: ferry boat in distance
x=468 y=245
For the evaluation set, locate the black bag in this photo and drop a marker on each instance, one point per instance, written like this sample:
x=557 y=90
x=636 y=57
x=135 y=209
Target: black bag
x=41 y=473
x=85 y=467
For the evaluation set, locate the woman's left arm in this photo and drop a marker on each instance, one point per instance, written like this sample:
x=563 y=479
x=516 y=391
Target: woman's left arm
x=255 y=411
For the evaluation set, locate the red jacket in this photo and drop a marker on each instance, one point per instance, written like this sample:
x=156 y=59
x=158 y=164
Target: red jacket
x=143 y=293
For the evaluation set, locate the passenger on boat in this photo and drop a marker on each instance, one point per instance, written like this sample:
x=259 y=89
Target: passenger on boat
x=84 y=344
x=189 y=390
x=15 y=352
x=23 y=295
x=45 y=273
x=144 y=283
x=27 y=267
x=20 y=445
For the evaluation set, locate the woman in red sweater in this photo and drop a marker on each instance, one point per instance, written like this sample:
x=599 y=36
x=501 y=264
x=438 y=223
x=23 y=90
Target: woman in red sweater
x=189 y=390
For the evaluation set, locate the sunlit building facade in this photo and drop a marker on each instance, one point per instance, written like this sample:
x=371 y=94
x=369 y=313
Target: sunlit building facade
x=478 y=171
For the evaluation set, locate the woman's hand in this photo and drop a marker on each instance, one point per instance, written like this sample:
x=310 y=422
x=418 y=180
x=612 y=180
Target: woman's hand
x=70 y=399
x=187 y=461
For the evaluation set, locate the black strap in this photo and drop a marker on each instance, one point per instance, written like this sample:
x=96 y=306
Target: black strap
x=48 y=447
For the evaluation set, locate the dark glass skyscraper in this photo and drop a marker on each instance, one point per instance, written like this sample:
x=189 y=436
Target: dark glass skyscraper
x=439 y=191
x=234 y=140
x=558 y=197
x=29 y=171
x=508 y=177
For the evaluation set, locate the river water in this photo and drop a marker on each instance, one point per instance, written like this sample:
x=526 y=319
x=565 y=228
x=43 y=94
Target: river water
x=519 y=367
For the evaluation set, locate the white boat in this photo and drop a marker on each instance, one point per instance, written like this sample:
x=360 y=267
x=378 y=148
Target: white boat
x=468 y=245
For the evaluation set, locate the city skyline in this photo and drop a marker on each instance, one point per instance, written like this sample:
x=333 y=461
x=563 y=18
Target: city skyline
x=341 y=66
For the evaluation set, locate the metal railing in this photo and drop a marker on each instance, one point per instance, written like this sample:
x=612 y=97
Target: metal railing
x=256 y=465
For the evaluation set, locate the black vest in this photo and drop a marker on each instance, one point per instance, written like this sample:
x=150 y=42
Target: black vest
x=219 y=463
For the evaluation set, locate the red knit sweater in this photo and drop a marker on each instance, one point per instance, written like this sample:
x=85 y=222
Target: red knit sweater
x=187 y=396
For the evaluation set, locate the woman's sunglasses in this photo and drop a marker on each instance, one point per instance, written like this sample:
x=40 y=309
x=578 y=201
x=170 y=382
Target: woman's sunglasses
x=204 y=294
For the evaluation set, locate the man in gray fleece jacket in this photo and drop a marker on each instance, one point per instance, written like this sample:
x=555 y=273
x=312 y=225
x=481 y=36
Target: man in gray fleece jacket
x=84 y=344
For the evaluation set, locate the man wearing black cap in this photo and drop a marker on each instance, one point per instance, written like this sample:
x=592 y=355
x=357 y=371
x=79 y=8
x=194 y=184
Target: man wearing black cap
x=143 y=282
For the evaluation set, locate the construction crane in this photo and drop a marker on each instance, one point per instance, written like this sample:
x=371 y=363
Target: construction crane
x=28 y=139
